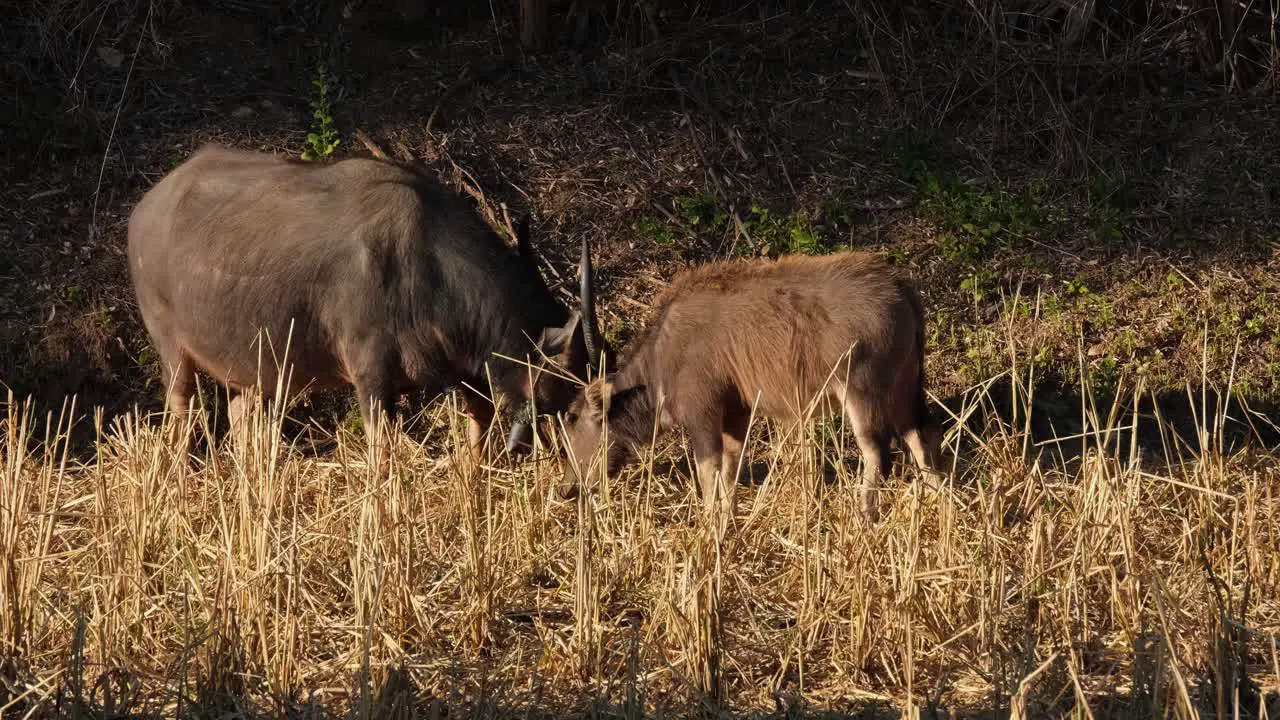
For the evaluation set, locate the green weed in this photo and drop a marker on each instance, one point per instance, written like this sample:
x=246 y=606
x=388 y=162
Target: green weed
x=1273 y=370
x=147 y=358
x=653 y=230
x=792 y=234
x=323 y=139
x=104 y=318
x=1111 y=224
x=1112 y=203
x=1104 y=380
x=352 y=422
x=893 y=255
x=981 y=352
x=979 y=283
x=1021 y=308
x=702 y=211
x=1044 y=356
x=1077 y=288
x=911 y=154
x=1111 y=189
x=1105 y=312
x=972 y=221
x=837 y=214
x=614 y=334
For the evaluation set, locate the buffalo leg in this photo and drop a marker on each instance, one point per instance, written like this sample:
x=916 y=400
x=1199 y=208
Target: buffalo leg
x=922 y=437
x=377 y=401
x=479 y=417
x=873 y=444
x=377 y=408
x=924 y=449
x=239 y=409
x=732 y=438
x=179 y=375
x=713 y=478
x=179 y=381
x=374 y=392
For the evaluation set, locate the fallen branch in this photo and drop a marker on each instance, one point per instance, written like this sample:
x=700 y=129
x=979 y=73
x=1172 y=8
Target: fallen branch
x=374 y=148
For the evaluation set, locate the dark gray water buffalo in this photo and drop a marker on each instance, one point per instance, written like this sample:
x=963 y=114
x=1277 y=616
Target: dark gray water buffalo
x=373 y=274
x=774 y=336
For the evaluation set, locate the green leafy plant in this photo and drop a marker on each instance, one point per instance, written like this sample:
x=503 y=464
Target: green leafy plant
x=979 y=283
x=793 y=233
x=804 y=239
x=702 y=211
x=910 y=153
x=147 y=357
x=1076 y=287
x=972 y=220
x=1111 y=224
x=323 y=139
x=1112 y=204
x=352 y=421
x=1105 y=380
x=836 y=214
x=1273 y=370
x=653 y=230
x=104 y=317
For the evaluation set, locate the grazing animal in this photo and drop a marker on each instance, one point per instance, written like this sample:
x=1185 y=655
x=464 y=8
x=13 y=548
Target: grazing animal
x=373 y=274
x=729 y=337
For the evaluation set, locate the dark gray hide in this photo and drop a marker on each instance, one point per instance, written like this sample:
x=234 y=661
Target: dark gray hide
x=391 y=283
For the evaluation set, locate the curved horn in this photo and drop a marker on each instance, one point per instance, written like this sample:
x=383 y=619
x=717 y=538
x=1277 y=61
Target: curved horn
x=590 y=330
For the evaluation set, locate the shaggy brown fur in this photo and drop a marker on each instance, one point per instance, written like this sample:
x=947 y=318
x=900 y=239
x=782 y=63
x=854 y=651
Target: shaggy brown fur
x=775 y=336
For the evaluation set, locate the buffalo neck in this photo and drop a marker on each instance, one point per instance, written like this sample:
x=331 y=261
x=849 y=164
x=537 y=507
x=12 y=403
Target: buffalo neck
x=505 y=307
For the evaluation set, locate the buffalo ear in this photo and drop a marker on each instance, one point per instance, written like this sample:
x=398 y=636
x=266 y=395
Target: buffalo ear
x=555 y=340
x=599 y=399
x=621 y=400
x=605 y=400
x=574 y=355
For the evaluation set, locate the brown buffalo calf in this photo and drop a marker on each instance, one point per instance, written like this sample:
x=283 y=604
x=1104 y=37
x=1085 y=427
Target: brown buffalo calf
x=774 y=336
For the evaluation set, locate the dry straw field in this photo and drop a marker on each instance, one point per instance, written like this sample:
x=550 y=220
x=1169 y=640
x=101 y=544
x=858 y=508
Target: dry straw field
x=264 y=580
x=1084 y=192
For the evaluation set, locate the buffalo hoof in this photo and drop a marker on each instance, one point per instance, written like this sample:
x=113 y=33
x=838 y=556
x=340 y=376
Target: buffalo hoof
x=870 y=505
